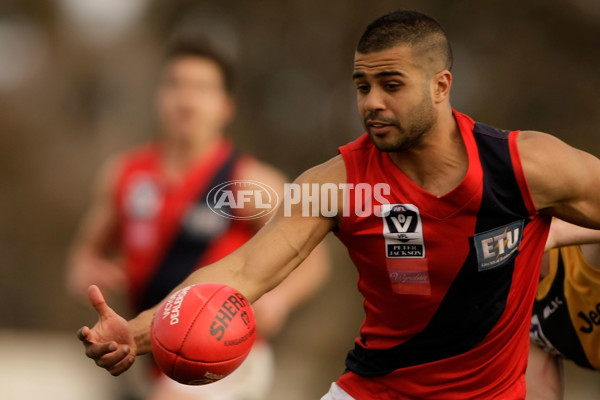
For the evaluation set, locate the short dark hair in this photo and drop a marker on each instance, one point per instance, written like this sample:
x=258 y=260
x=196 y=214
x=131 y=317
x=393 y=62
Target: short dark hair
x=194 y=46
x=406 y=27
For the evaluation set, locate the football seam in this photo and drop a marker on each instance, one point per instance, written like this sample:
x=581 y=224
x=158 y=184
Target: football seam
x=187 y=333
x=201 y=361
x=214 y=362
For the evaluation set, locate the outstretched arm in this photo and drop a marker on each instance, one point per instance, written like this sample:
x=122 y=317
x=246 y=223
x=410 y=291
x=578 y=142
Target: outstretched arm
x=254 y=269
x=273 y=308
x=566 y=234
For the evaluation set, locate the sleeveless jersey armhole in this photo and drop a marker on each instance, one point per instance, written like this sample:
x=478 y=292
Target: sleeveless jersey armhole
x=520 y=174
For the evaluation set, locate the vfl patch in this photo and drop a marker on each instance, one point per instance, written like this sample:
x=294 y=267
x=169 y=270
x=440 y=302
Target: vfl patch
x=143 y=198
x=403 y=231
x=497 y=246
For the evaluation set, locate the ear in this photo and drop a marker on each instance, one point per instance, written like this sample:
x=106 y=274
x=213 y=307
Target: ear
x=442 y=82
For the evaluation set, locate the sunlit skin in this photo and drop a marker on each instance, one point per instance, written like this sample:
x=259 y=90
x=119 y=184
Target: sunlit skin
x=393 y=98
x=403 y=100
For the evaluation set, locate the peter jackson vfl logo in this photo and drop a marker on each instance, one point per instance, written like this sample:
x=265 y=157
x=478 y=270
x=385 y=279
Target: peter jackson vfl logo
x=497 y=246
x=403 y=231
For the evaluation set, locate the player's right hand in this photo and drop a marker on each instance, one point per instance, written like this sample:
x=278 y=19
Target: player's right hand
x=110 y=343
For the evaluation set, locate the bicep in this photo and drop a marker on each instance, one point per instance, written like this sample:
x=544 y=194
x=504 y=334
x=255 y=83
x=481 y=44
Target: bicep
x=564 y=181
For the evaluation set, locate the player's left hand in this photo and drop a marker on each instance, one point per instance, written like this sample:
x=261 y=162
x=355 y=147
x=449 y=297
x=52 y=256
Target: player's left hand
x=110 y=343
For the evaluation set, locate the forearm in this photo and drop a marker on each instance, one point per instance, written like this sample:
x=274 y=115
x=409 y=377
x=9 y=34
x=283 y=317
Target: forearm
x=303 y=282
x=140 y=328
x=566 y=234
x=257 y=267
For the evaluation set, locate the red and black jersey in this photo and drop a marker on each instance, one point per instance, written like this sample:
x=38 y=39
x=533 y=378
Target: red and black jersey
x=166 y=229
x=448 y=282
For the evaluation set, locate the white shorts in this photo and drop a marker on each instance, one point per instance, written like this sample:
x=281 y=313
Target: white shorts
x=337 y=393
x=251 y=381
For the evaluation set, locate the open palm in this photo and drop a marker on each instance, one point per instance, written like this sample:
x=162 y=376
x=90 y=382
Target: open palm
x=110 y=342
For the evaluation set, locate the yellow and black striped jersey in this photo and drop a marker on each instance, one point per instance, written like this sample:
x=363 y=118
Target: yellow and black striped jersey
x=566 y=312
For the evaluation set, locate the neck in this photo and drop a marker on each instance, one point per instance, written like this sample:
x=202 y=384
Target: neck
x=178 y=155
x=440 y=162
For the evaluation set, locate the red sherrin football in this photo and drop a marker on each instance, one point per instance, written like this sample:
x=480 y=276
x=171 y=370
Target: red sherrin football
x=202 y=333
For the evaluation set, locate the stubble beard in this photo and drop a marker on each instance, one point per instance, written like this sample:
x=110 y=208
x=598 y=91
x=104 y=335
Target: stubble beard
x=412 y=134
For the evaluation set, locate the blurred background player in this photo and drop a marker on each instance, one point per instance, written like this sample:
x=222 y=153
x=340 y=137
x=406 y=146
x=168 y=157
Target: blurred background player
x=566 y=314
x=149 y=224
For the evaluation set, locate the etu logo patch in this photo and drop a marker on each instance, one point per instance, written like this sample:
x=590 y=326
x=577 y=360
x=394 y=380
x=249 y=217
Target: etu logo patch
x=497 y=246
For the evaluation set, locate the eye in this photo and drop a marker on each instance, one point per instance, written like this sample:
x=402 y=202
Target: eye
x=363 y=88
x=391 y=86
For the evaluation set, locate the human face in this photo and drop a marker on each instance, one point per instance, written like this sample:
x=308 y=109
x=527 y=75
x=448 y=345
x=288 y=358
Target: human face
x=192 y=99
x=394 y=98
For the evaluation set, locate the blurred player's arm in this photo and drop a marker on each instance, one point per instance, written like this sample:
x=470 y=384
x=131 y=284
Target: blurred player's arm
x=544 y=376
x=272 y=309
x=254 y=269
x=564 y=181
x=91 y=256
x=563 y=233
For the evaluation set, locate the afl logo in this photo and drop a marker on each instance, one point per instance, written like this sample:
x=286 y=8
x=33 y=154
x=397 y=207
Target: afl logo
x=242 y=199
x=398 y=209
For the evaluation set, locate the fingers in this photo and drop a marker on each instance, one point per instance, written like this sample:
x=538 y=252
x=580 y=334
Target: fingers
x=97 y=300
x=109 y=356
x=83 y=333
x=108 y=342
x=110 y=359
x=98 y=351
x=122 y=366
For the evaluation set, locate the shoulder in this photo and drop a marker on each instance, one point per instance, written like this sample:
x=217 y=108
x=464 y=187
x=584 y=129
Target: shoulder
x=141 y=157
x=110 y=172
x=114 y=167
x=539 y=151
x=142 y=154
x=528 y=140
x=249 y=168
x=549 y=165
x=331 y=171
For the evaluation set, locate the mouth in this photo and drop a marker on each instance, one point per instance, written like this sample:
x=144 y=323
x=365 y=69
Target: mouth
x=378 y=128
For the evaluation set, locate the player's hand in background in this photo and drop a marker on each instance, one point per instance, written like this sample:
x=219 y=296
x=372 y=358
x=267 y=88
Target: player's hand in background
x=110 y=343
x=270 y=314
x=109 y=276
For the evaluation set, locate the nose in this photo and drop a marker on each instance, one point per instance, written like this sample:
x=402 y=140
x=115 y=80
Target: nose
x=373 y=101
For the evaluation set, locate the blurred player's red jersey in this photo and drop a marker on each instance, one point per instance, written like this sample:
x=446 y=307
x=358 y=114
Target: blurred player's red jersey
x=448 y=281
x=166 y=229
